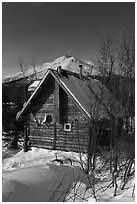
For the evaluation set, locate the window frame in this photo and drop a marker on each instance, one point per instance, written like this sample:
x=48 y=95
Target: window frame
x=67 y=129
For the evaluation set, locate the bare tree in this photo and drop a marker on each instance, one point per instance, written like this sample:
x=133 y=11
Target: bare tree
x=126 y=60
x=23 y=65
x=106 y=55
x=126 y=55
x=33 y=63
x=124 y=63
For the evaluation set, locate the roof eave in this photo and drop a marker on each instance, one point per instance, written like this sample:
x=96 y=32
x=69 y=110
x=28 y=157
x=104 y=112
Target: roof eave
x=26 y=104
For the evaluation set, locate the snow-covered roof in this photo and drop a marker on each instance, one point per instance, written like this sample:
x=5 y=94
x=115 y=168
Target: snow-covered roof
x=33 y=86
x=91 y=96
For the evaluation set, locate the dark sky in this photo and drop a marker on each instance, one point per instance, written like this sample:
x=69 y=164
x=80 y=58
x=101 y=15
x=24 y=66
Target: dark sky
x=50 y=30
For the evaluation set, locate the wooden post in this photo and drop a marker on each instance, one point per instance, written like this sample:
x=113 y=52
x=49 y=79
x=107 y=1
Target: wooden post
x=54 y=139
x=26 y=137
x=56 y=111
x=56 y=102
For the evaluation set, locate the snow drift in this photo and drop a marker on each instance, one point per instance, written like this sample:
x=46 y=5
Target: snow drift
x=42 y=175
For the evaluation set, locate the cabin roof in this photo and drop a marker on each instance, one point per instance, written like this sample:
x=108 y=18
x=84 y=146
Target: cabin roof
x=91 y=96
x=33 y=86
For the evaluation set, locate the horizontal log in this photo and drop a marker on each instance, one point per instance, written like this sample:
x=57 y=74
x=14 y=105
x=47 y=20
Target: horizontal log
x=71 y=135
x=84 y=150
x=72 y=139
x=70 y=143
x=74 y=148
x=62 y=140
x=41 y=136
x=41 y=143
x=43 y=128
x=79 y=130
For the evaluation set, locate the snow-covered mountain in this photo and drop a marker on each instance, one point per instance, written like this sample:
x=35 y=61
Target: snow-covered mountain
x=66 y=62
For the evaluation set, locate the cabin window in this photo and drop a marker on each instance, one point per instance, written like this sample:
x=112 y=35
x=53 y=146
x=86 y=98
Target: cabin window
x=67 y=127
x=48 y=118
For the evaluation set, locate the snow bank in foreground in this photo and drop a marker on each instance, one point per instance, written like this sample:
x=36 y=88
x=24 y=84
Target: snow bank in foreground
x=36 y=176
x=39 y=176
x=26 y=159
x=38 y=156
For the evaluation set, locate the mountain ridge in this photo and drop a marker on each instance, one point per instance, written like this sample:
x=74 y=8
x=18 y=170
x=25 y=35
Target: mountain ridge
x=66 y=62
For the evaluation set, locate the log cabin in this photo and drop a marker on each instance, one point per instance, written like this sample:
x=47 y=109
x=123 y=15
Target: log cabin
x=60 y=109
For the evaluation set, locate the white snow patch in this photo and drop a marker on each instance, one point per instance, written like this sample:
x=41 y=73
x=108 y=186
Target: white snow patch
x=38 y=176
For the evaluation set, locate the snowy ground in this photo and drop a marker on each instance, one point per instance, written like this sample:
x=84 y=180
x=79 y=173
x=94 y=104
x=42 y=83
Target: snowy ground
x=35 y=176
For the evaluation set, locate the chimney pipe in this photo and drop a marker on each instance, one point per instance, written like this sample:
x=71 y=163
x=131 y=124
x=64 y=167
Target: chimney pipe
x=80 y=70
